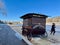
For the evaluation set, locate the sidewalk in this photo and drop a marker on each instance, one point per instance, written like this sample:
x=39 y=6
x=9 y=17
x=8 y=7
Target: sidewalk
x=50 y=40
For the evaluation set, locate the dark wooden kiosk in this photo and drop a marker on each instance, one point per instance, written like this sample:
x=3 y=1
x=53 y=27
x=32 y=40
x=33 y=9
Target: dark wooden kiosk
x=34 y=24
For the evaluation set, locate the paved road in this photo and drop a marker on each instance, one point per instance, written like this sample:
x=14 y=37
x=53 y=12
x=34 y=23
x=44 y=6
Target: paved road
x=7 y=36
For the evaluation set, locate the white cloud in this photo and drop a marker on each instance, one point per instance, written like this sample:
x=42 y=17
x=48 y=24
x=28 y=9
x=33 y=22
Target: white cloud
x=2 y=8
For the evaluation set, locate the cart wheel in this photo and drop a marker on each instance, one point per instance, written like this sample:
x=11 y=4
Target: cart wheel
x=29 y=37
x=44 y=35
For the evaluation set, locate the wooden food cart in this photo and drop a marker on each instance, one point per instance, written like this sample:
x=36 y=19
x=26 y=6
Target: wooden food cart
x=34 y=24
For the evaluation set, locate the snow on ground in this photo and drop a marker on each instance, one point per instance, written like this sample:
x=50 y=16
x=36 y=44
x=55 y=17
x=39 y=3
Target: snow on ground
x=50 y=40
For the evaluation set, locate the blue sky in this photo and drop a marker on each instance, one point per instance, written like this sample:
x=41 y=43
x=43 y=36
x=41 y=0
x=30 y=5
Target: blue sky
x=17 y=8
